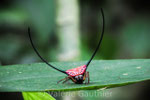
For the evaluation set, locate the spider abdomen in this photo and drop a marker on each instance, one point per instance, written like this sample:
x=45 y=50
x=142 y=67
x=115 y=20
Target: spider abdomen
x=76 y=71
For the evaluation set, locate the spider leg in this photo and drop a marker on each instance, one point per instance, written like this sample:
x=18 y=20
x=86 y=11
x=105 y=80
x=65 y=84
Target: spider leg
x=62 y=79
x=67 y=79
x=87 y=78
x=84 y=77
x=72 y=79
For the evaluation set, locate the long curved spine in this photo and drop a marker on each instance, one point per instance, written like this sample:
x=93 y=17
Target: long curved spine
x=29 y=33
x=100 y=41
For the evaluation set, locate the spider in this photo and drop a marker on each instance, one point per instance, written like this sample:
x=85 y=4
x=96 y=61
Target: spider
x=77 y=75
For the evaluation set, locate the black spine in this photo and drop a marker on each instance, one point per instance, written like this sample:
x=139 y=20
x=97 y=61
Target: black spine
x=99 y=40
x=40 y=55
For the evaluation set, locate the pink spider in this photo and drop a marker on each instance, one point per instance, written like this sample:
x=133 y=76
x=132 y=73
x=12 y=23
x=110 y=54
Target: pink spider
x=77 y=75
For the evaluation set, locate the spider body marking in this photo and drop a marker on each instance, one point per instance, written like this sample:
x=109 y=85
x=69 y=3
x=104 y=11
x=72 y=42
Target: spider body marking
x=77 y=74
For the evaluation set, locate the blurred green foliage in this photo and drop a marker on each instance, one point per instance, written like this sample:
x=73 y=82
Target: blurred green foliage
x=37 y=96
x=122 y=41
x=136 y=34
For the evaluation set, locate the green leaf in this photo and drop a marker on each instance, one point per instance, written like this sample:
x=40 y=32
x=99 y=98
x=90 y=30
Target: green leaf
x=103 y=73
x=37 y=96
